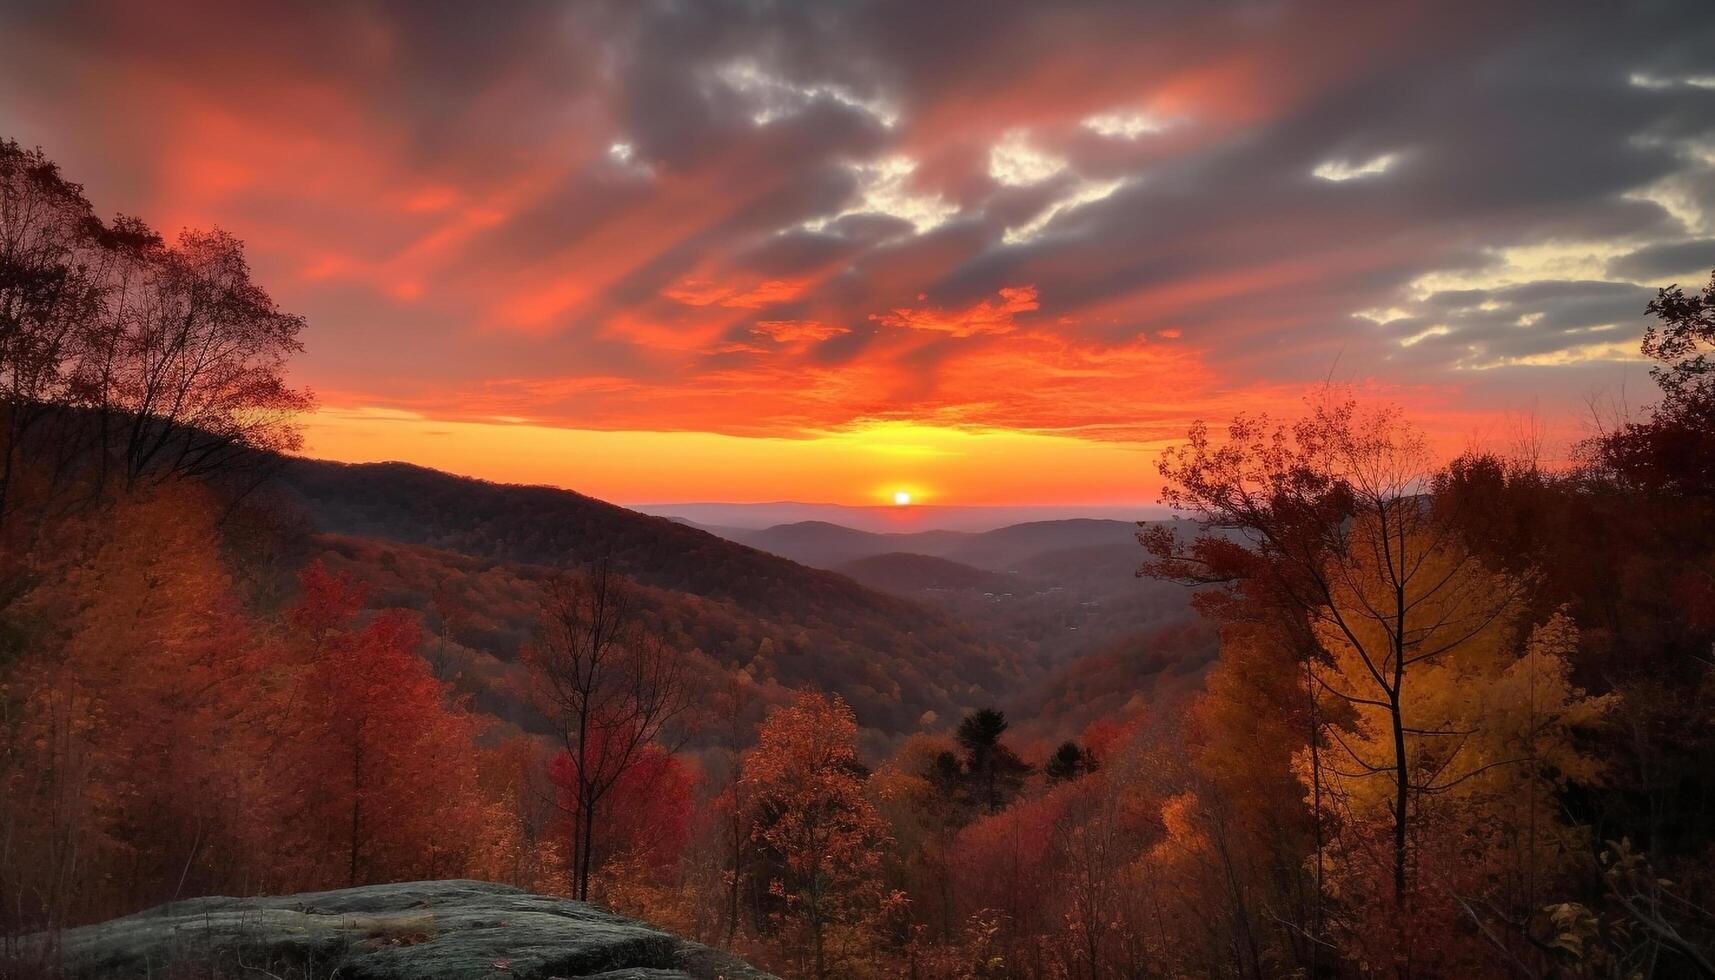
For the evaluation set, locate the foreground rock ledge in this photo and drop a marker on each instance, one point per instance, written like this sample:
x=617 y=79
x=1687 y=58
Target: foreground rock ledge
x=425 y=930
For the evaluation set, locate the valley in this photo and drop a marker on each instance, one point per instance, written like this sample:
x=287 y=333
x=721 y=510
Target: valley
x=913 y=639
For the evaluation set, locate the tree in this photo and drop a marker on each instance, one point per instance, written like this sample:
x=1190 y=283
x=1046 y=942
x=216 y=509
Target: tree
x=1067 y=763
x=1331 y=515
x=393 y=765
x=1681 y=342
x=922 y=795
x=176 y=355
x=188 y=373
x=1492 y=733
x=48 y=289
x=610 y=687
x=994 y=771
x=822 y=832
x=732 y=806
x=646 y=818
x=125 y=727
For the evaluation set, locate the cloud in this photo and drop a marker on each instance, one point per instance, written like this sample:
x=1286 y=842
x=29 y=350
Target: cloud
x=1340 y=171
x=796 y=331
x=727 y=215
x=983 y=317
x=1015 y=163
x=1086 y=192
x=1666 y=260
x=1123 y=124
x=884 y=188
x=701 y=292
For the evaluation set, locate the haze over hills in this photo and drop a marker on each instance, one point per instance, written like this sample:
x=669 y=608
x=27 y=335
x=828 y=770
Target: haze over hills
x=891 y=519
x=821 y=544
x=1053 y=590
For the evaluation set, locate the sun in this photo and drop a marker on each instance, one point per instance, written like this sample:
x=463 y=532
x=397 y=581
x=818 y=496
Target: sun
x=902 y=498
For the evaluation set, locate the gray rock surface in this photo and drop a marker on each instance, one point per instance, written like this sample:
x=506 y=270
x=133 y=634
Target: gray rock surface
x=426 y=930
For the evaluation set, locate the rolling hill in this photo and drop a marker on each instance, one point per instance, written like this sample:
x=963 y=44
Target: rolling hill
x=824 y=545
x=912 y=629
x=409 y=530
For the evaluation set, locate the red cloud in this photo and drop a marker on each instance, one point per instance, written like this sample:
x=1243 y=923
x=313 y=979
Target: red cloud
x=796 y=331
x=701 y=292
x=985 y=317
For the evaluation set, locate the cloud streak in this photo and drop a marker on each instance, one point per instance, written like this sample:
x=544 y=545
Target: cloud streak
x=1101 y=219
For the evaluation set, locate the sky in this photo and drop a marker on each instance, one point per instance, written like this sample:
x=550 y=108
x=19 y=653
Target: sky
x=826 y=250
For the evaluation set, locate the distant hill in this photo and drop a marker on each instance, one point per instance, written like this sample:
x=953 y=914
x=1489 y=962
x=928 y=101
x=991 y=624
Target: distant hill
x=912 y=629
x=1053 y=590
x=892 y=519
x=824 y=545
x=903 y=573
x=1005 y=549
x=897 y=662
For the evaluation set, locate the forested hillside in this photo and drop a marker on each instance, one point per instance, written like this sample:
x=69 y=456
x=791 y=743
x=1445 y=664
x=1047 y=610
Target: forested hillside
x=898 y=662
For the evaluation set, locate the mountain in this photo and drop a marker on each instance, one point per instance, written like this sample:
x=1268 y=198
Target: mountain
x=913 y=630
x=1004 y=549
x=1053 y=590
x=410 y=530
x=903 y=573
x=824 y=545
x=890 y=519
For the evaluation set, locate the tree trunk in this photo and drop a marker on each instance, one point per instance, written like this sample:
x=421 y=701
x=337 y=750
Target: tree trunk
x=356 y=810
x=589 y=850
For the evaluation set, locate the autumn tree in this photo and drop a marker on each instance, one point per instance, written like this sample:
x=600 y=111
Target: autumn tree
x=392 y=762
x=921 y=794
x=1332 y=514
x=609 y=685
x=821 y=831
x=731 y=807
x=122 y=726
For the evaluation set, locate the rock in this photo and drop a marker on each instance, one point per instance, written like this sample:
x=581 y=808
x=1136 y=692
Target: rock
x=424 y=930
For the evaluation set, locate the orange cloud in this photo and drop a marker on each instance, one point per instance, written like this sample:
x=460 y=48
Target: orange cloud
x=984 y=317
x=796 y=331
x=701 y=292
x=473 y=249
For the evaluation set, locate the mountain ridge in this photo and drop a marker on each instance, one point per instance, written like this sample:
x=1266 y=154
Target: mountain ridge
x=897 y=661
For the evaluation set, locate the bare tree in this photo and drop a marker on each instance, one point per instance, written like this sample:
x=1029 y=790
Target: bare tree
x=155 y=360
x=48 y=290
x=189 y=374
x=609 y=685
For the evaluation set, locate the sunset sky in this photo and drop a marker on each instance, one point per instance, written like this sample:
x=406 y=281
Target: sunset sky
x=990 y=253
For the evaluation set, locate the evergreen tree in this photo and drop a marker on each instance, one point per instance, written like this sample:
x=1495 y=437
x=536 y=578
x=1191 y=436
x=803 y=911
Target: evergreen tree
x=993 y=772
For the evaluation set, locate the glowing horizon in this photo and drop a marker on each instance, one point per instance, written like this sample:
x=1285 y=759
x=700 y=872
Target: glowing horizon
x=1039 y=241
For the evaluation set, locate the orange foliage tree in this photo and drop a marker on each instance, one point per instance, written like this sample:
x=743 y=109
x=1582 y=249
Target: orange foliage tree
x=819 y=833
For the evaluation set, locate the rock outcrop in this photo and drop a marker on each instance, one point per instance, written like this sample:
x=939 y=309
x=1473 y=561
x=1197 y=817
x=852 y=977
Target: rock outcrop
x=427 y=930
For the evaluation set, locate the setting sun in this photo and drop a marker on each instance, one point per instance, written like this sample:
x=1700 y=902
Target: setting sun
x=863 y=489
